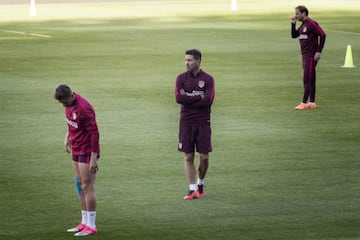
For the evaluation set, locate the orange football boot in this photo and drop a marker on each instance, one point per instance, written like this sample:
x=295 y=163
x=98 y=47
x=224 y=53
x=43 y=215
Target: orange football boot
x=191 y=195
x=311 y=105
x=78 y=228
x=200 y=191
x=86 y=232
x=301 y=106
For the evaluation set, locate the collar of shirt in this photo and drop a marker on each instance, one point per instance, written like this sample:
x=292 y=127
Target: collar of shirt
x=75 y=99
x=193 y=76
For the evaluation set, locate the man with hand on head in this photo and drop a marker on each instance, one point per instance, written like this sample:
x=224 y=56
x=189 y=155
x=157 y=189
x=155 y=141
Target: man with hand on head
x=312 y=40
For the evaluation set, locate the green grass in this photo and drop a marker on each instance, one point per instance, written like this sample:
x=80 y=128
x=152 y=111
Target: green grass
x=275 y=173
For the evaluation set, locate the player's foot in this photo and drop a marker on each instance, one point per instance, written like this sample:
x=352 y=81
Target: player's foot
x=191 y=195
x=78 y=228
x=200 y=191
x=311 y=105
x=86 y=232
x=301 y=106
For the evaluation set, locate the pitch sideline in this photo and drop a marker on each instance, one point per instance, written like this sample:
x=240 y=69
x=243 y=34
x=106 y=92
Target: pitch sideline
x=24 y=33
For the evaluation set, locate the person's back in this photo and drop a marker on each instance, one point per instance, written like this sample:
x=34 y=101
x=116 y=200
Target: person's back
x=80 y=117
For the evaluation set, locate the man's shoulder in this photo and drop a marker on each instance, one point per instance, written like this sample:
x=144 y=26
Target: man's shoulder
x=312 y=23
x=312 y=20
x=183 y=75
x=83 y=104
x=207 y=75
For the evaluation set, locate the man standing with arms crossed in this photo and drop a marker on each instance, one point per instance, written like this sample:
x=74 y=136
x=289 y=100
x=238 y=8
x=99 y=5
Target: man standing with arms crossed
x=194 y=90
x=312 y=40
x=82 y=140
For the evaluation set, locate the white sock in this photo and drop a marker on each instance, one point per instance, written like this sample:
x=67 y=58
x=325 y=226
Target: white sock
x=91 y=216
x=312 y=102
x=83 y=217
x=200 y=181
x=192 y=187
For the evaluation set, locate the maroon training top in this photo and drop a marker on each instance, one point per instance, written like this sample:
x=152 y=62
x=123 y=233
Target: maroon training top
x=82 y=127
x=194 y=109
x=311 y=36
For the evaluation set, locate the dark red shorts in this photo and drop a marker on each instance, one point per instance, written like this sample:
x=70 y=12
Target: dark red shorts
x=82 y=158
x=195 y=137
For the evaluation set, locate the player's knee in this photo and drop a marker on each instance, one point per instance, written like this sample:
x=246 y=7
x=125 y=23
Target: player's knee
x=204 y=157
x=189 y=157
x=79 y=182
x=86 y=186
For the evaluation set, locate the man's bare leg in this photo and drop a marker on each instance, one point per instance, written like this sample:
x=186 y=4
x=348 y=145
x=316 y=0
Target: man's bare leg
x=83 y=223
x=203 y=167
x=190 y=168
x=190 y=174
x=88 y=193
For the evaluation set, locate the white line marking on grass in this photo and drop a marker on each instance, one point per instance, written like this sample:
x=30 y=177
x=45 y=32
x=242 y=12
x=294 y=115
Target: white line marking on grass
x=39 y=35
x=15 y=32
x=24 y=33
x=337 y=31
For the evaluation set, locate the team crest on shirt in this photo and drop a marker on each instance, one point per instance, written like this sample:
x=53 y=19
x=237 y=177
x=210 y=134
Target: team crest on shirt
x=74 y=115
x=201 y=83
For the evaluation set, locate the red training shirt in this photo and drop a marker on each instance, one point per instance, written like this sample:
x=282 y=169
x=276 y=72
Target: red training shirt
x=82 y=127
x=194 y=109
x=311 y=36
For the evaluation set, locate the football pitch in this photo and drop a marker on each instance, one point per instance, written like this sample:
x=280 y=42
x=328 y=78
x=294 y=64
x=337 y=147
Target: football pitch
x=275 y=173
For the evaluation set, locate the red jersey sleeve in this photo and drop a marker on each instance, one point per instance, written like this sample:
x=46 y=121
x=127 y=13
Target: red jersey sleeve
x=183 y=99
x=294 y=32
x=208 y=97
x=320 y=33
x=91 y=126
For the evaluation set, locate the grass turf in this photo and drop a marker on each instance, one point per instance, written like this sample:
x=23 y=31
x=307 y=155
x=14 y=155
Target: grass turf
x=275 y=173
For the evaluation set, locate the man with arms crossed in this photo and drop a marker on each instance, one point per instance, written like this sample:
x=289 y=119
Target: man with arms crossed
x=312 y=40
x=194 y=90
x=82 y=140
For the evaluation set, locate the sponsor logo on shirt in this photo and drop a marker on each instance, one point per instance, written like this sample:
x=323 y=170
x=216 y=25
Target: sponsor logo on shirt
x=201 y=83
x=303 y=36
x=72 y=123
x=195 y=93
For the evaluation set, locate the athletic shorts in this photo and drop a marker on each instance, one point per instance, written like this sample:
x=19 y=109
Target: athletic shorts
x=82 y=158
x=195 y=137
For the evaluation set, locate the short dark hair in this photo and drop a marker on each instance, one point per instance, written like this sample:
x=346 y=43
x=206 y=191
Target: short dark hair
x=62 y=92
x=303 y=9
x=195 y=53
